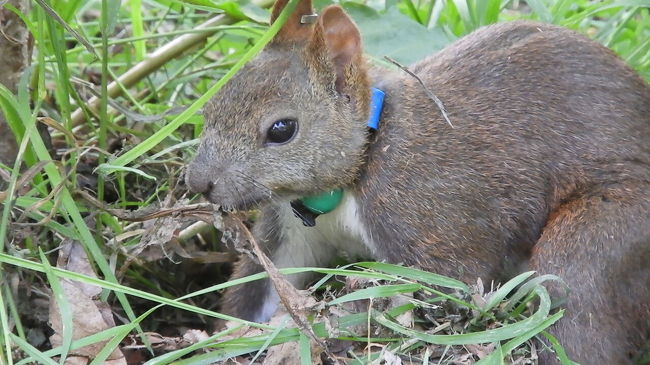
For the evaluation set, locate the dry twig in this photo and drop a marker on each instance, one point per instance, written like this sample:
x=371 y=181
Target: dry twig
x=286 y=291
x=151 y=212
x=431 y=95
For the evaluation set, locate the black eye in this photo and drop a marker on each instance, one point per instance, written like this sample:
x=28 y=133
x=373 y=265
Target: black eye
x=282 y=131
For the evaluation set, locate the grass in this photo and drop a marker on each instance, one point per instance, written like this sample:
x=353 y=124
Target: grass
x=106 y=78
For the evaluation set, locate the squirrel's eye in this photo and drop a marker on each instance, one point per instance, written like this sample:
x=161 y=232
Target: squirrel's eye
x=282 y=131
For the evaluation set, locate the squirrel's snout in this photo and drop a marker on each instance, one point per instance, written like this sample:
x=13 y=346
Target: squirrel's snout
x=206 y=179
x=198 y=179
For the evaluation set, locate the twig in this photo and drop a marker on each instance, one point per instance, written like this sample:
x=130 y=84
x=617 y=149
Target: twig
x=426 y=90
x=282 y=287
x=148 y=213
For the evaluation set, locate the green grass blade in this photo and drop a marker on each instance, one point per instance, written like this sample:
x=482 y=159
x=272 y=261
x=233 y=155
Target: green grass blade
x=434 y=13
x=138 y=29
x=171 y=356
x=505 y=289
x=54 y=16
x=508 y=331
x=415 y=274
x=598 y=7
x=525 y=289
x=121 y=289
x=271 y=337
x=69 y=9
x=413 y=11
x=6 y=332
x=559 y=350
x=495 y=358
x=113 y=343
x=609 y=38
x=559 y=10
x=305 y=349
x=643 y=49
x=82 y=342
x=13 y=310
x=466 y=16
x=62 y=73
x=492 y=11
x=540 y=9
x=14 y=115
x=381 y=291
x=119 y=336
x=32 y=351
x=117 y=168
x=232 y=348
x=512 y=344
x=62 y=303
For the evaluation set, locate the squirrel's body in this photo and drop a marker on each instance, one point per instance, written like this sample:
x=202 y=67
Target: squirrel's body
x=547 y=168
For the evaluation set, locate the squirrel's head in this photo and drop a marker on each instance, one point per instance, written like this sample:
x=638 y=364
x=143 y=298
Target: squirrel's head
x=292 y=122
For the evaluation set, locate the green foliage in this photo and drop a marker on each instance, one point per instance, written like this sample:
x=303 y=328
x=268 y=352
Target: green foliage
x=391 y=33
x=106 y=73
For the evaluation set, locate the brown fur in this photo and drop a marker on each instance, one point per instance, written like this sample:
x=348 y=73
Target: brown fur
x=292 y=30
x=547 y=168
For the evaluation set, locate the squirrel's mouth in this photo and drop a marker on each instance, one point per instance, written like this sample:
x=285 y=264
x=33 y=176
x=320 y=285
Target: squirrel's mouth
x=238 y=200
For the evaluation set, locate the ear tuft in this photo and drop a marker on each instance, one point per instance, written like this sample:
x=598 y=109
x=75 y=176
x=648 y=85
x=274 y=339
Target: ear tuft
x=293 y=30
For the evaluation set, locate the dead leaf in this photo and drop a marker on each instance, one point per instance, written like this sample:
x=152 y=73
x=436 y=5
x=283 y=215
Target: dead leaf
x=481 y=351
x=194 y=336
x=283 y=354
x=89 y=315
x=406 y=318
x=76 y=360
x=390 y=358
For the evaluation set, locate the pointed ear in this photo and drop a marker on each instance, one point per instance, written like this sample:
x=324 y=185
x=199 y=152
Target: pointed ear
x=293 y=30
x=343 y=43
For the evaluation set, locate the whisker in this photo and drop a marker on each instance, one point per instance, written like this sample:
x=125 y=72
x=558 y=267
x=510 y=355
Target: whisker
x=238 y=193
x=216 y=180
x=260 y=185
x=274 y=200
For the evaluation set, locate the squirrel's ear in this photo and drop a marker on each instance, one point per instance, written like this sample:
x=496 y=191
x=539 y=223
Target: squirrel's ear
x=293 y=30
x=343 y=42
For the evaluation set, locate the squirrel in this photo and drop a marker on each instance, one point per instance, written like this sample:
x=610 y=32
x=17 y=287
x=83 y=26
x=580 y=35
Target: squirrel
x=546 y=167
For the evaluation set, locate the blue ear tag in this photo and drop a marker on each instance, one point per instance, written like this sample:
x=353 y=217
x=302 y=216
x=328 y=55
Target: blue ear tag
x=376 y=105
x=309 y=207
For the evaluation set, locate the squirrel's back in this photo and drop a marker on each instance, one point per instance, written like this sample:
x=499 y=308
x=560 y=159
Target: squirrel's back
x=547 y=168
x=540 y=114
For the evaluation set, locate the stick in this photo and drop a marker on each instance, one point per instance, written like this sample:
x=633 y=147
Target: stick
x=426 y=90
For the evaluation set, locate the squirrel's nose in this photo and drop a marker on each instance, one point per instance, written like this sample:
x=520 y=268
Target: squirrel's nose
x=198 y=178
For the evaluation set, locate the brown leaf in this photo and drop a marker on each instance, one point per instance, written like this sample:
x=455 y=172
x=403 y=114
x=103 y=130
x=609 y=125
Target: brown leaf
x=89 y=315
x=283 y=354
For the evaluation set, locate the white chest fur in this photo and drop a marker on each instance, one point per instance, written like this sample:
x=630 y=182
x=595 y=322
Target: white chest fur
x=341 y=230
x=338 y=233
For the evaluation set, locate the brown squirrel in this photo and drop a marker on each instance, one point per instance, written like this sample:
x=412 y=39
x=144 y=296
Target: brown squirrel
x=546 y=168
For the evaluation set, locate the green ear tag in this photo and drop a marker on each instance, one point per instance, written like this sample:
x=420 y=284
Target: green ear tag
x=324 y=202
